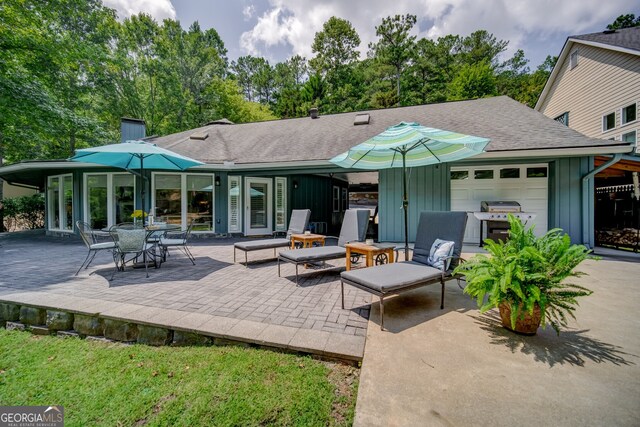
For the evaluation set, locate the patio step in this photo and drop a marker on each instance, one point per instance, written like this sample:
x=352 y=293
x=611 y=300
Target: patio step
x=124 y=322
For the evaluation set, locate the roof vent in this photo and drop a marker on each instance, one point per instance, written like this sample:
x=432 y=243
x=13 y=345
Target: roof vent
x=313 y=113
x=200 y=135
x=224 y=121
x=608 y=31
x=361 y=119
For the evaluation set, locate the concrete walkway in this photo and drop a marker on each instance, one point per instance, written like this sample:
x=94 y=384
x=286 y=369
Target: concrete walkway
x=458 y=367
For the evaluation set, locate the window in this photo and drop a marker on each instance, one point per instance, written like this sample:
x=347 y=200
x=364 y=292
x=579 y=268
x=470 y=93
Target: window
x=629 y=114
x=183 y=198
x=200 y=202
x=60 y=202
x=281 y=204
x=109 y=198
x=608 y=122
x=345 y=199
x=336 y=199
x=510 y=173
x=538 y=172
x=235 y=213
x=459 y=174
x=563 y=118
x=483 y=174
x=629 y=137
x=573 y=59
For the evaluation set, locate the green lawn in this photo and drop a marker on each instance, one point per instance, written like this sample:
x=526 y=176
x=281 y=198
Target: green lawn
x=115 y=384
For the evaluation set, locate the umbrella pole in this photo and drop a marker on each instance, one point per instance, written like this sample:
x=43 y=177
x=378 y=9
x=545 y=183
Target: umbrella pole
x=142 y=188
x=405 y=206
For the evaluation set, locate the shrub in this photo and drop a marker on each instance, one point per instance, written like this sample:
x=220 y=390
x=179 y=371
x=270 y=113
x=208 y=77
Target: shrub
x=24 y=212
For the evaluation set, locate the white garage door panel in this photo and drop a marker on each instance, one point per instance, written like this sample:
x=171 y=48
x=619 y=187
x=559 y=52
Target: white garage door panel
x=531 y=193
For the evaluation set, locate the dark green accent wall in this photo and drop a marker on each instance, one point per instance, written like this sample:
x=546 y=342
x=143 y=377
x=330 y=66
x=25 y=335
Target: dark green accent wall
x=566 y=209
x=429 y=190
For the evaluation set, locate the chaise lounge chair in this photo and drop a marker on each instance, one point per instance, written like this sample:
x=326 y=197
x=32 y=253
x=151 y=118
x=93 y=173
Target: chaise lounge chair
x=392 y=279
x=297 y=225
x=354 y=229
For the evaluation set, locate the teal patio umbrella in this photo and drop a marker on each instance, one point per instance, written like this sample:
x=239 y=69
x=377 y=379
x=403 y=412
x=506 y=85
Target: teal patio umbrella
x=135 y=156
x=407 y=145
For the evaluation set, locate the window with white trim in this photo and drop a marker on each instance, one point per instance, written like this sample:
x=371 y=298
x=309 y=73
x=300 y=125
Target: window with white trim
x=573 y=59
x=281 y=204
x=235 y=211
x=630 y=137
x=345 y=199
x=184 y=198
x=60 y=202
x=608 y=121
x=629 y=114
x=109 y=198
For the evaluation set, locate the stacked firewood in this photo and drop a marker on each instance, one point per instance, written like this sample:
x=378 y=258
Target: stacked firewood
x=627 y=238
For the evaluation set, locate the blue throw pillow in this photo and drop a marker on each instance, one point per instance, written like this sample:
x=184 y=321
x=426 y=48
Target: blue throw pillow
x=440 y=250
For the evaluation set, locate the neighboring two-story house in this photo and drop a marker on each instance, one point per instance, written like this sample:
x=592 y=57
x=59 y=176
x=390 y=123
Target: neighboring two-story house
x=595 y=86
x=595 y=89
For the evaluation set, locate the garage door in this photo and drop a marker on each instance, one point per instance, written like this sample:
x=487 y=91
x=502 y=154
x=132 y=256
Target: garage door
x=525 y=184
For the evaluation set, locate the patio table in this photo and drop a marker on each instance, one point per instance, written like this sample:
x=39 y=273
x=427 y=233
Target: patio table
x=382 y=252
x=154 y=232
x=307 y=240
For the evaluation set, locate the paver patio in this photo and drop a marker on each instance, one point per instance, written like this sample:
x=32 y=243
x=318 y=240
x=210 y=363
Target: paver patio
x=39 y=268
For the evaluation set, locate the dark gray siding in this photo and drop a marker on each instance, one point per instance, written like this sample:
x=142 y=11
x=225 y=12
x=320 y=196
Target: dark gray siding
x=132 y=130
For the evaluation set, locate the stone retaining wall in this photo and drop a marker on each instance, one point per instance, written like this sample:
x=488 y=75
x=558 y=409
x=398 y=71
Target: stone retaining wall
x=42 y=321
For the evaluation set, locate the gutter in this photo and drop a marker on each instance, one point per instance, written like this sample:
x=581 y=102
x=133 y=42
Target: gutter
x=16 y=184
x=586 y=229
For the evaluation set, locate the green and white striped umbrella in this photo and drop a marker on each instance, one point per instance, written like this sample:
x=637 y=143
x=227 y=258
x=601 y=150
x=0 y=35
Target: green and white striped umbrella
x=407 y=145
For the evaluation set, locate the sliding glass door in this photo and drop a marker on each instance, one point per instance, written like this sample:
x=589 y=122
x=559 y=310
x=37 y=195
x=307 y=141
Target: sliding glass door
x=184 y=198
x=60 y=202
x=109 y=199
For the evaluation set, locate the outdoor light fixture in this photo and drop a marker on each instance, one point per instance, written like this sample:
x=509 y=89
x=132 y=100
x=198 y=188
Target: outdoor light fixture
x=295 y=185
x=217 y=181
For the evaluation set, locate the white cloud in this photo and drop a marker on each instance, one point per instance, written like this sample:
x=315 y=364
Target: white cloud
x=526 y=24
x=248 y=12
x=159 y=9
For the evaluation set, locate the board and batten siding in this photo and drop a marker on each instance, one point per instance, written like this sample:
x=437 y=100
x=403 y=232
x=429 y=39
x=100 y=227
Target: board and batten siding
x=429 y=189
x=604 y=81
x=566 y=209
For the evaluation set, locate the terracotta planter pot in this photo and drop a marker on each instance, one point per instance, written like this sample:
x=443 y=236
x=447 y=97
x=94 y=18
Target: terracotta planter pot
x=526 y=325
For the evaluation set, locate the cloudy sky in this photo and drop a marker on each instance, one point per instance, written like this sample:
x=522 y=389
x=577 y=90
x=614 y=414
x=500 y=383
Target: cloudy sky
x=277 y=29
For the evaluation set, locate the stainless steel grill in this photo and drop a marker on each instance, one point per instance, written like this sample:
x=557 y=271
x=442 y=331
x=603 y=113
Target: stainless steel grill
x=497 y=226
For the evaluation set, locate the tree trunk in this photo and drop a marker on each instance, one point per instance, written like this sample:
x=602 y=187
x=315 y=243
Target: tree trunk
x=1 y=188
x=72 y=141
x=398 y=85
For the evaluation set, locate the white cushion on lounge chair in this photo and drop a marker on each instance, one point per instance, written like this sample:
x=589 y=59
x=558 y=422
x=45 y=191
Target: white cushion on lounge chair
x=440 y=253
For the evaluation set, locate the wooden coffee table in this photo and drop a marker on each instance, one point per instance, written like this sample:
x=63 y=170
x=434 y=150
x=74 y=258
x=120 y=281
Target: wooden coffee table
x=380 y=252
x=307 y=240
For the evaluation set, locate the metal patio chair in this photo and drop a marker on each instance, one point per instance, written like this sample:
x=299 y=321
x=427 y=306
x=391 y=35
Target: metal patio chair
x=132 y=242
x=89 y=237
x=178 y=241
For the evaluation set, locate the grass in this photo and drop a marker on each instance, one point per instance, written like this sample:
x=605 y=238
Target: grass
x=116 y=384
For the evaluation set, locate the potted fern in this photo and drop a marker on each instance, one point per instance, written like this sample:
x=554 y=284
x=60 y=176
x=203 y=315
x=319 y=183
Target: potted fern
x=524 y=278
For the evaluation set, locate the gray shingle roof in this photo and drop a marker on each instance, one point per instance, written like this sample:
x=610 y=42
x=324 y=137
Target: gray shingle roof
x=509 y=124
x=628 y=38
